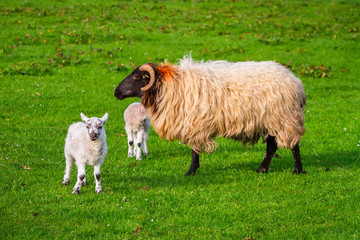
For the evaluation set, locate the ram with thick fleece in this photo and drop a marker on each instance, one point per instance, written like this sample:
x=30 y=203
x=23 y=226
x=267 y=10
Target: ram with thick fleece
x=197 y=101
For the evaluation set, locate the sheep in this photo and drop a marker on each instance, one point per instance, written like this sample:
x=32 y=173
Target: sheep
x=197 y=101
x=137 y=126
x=85 y=144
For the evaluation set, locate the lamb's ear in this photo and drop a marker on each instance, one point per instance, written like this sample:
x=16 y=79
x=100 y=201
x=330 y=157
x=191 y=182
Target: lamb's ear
x=83 y=117
x=105 y=118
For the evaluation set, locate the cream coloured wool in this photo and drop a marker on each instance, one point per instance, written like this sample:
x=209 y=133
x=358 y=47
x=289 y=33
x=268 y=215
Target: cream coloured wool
x=243 y=100
x=197 y=101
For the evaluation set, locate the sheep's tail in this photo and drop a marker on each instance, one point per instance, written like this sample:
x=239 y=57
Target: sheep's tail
x=290 y=128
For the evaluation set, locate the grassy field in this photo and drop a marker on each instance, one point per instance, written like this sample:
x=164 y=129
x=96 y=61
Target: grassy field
x=62 y=58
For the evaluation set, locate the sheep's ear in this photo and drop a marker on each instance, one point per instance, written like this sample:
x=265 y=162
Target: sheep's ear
x=105 y=118
x=83 y=117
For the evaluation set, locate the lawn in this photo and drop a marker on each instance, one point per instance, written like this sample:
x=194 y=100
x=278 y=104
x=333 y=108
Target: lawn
x=66 y=57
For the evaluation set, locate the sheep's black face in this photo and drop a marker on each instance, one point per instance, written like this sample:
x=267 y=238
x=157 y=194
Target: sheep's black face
x=132 y=84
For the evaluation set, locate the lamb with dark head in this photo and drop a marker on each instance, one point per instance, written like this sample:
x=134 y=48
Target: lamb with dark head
x=197 y=101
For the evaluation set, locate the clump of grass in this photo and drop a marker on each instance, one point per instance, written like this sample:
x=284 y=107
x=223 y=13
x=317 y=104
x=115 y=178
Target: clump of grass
x=310 y=71
x=28 y=68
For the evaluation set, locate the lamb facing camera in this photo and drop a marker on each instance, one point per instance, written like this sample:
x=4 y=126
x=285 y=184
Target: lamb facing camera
x=85 y=144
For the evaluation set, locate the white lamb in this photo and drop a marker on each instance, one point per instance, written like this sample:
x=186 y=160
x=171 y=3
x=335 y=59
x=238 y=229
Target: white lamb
x=85 y=144
x=137 y=126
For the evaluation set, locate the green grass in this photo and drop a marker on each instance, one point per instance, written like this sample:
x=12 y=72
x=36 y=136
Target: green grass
x=59 y=59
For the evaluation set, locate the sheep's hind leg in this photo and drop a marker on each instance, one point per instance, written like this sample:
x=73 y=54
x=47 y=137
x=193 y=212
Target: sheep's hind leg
x=271 y=148
x=297 y=160
x=80 y=178
x=84 y=183
x=69 y=165
x=195 y=164
x=138 y=141
x=98 y=188
x=130 y=142
x=144 y=141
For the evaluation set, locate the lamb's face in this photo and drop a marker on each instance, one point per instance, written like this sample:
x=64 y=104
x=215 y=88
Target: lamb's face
x=94 y=125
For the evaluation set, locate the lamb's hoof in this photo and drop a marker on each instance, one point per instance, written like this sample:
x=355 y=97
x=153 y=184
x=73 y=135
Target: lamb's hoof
x=262 y=170
x=146 y=154
x=298 y=171
x=83 y=183
x=66 y=182
x=76 y=191
x=138 y=158
x=130 y=155
x=98 y=190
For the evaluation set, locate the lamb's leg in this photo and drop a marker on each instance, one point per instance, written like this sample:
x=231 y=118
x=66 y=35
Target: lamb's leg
x=144 y=142
x=130 y=142
x=297 y=159
x=139 y=139
x=84 y=183
x=80 y=178
x=69 y=164
x=98 y=188
x=271 y=148
x=135 y=141
x=195 y=164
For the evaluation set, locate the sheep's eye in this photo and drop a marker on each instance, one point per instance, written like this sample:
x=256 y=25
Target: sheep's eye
x=135 y=76
x=87 y=126
x=99 y=127
x=146 y=76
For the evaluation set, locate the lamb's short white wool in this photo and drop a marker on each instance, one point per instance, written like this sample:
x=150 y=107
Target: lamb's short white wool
x=137 y=126
x=85 y=144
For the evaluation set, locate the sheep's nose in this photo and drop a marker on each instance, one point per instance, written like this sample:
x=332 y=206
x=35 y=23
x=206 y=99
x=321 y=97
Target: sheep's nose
x=93 y=136
x=118 y=94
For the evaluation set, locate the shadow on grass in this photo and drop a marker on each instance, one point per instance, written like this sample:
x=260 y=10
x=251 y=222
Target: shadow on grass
x=285 y=163
x=213 y=172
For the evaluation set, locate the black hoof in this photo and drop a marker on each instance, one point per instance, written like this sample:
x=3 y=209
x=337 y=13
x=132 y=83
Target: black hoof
x=66 y=183
x=190 y=173
x=76 y=191
x=262 y=170
x=297 y=171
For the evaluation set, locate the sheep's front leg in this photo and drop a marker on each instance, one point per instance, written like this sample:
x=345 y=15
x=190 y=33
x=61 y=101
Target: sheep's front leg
x=195 y=164
x=130 y=142
x=69 y=165
x=80 y=178
x=271 y=147
x=139 y=139
x=98 y=188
